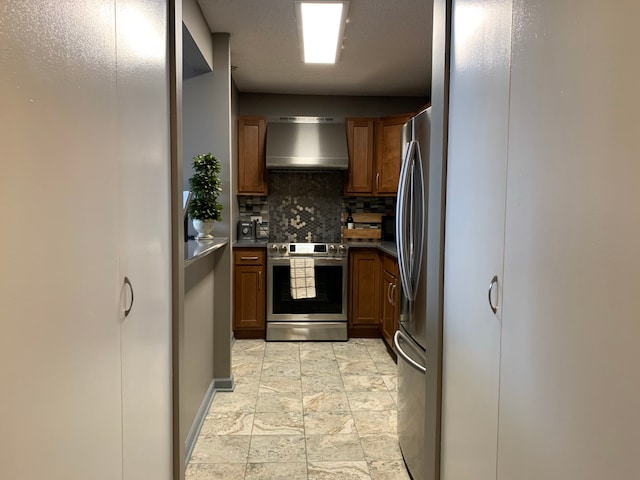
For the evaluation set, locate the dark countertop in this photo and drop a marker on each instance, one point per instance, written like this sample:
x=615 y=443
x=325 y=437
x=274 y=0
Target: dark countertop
x=194 y=250
x=387 y=247
x=250 y=243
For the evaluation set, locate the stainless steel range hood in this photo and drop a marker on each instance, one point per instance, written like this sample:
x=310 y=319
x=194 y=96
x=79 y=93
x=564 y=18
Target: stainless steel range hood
x=307 y=143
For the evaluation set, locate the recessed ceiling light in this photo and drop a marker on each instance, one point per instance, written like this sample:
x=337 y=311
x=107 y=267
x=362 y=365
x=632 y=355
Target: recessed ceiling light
x=320 y=29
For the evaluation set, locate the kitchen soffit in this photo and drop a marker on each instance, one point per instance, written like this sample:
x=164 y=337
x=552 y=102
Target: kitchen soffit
x=387 y=48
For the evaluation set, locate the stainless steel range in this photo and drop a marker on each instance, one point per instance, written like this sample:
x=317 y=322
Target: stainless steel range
x=306 y=291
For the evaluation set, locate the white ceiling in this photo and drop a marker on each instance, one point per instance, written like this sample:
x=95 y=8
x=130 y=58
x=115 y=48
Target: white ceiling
x=387 y=48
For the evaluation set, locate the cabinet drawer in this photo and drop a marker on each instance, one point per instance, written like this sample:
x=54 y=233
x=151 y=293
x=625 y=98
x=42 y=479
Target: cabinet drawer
x=249 y=256
x=390 y=265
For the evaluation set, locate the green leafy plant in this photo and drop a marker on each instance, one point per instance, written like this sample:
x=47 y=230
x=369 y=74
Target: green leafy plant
x=205 y=186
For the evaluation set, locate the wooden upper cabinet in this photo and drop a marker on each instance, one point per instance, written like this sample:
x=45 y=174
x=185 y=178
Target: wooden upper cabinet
x=360 y=143
x=252 y=172
x=375 y=155
x=388 y=153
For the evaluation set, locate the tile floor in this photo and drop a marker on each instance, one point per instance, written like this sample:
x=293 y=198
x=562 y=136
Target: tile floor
x=303 y=411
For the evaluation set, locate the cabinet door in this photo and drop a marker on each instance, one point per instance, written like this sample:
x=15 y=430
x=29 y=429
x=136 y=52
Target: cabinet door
x=365 y=288
x=388 y=306
x=388 y=153
x=252 y=173
x=360 y=142
x=143 y=126
x=475 y=211
x=570 y=383
x=249 y=297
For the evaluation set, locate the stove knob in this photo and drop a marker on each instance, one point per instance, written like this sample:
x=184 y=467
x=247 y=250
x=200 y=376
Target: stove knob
x=283 y=249
x=273 y=249
x=341 y=249
x=332 y=249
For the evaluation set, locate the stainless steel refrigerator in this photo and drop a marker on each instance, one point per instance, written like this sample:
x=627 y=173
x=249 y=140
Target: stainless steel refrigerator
x=418 y=341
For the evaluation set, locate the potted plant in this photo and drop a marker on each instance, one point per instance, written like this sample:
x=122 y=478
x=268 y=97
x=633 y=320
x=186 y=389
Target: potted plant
x=205 y=186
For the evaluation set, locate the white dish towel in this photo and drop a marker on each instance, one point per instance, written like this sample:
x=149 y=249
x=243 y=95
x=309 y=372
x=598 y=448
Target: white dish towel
x=303 y=278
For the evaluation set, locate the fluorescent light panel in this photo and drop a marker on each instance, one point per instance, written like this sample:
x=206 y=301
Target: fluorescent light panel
x=322 y=25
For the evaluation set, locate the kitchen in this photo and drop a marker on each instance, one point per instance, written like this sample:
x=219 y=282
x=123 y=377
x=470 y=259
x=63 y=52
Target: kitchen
x=540 y=275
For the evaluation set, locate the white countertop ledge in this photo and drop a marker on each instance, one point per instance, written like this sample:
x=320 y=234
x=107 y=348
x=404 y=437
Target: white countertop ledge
x=195 y=250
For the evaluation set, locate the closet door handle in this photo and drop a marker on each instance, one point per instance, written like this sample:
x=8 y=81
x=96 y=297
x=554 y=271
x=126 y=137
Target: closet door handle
x=494 y=281
x=127 y=282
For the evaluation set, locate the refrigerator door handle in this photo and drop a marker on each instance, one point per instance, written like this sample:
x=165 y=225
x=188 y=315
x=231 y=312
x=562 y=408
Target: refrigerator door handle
x=418 y=208
x=402 y=220
x=396 y=341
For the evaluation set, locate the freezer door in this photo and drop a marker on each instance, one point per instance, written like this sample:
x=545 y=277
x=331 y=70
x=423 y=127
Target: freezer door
x=411 y=406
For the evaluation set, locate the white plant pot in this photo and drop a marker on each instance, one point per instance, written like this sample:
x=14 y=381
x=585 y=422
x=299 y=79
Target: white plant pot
x=204 y=229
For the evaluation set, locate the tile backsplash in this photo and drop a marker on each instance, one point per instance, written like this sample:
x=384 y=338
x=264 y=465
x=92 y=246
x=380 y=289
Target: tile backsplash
x=308 y=206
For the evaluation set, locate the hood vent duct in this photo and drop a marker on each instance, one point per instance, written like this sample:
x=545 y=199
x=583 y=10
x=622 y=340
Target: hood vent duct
x=306 y=143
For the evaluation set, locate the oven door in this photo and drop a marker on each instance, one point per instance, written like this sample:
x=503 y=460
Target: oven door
x=330 y=303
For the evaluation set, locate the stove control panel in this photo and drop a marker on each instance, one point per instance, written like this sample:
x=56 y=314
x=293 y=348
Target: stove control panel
x=306 y=249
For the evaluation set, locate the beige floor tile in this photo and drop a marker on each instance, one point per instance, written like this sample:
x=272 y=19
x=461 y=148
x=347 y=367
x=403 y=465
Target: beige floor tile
x=278 y=424
x=325 y=402
x=334 y=448
x=357 y=367
x=325 y=355
x=320 y=368
x=328 y=423
x=291 y=348
x=282 y=356
x=386 y=367
x=277 y=448
x=370 y=401
x=215 y=471
x=234 y=402
x=279 y=403
x=248 y=346
x=391 y=382
x=276 y=471
x=351 y=352
x=372 y=382
x=246 y=385
x=388 y=470
x=322 y=383
x=227 y=423
x=280 y=369
x=221 y=449
x=247 y=370
x=279 y=385
x=368 y=422
x=381 y=446
x=339 y=471
x=316 y=346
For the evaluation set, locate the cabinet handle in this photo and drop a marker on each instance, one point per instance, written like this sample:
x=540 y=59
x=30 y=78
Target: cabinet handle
x=259 y=280
x=389 y=292
x=393 y=289
x=248 y=258
x=494 y=281
x=127 y=282
x=377 y=181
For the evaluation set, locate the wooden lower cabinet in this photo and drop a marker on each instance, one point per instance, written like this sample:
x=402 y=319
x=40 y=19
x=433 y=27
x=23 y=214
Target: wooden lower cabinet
x=249 y=292
x=389 y=298
x=364 y=288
